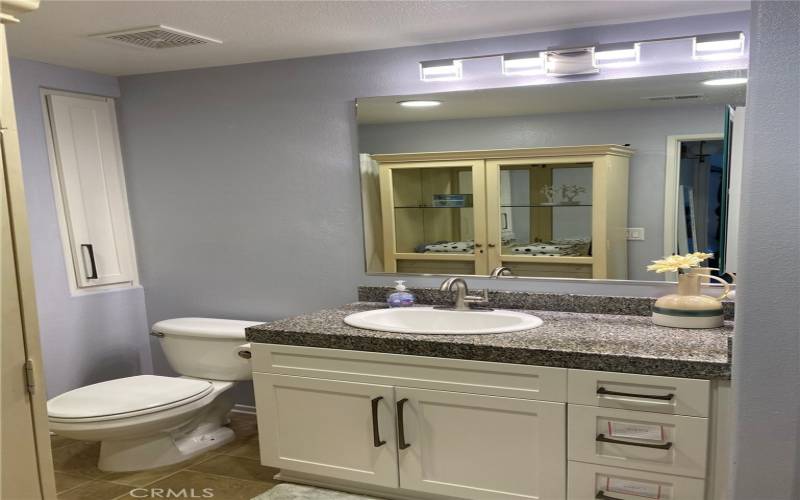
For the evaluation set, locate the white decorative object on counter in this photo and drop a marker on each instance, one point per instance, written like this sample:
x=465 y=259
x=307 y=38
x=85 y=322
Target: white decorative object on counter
x=688 y=308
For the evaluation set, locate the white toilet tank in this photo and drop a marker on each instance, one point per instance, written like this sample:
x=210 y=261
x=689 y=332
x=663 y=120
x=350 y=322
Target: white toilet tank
x=205 y=348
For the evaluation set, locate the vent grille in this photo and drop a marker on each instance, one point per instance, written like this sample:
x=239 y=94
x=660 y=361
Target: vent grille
x=685 y=97
x=157 y=37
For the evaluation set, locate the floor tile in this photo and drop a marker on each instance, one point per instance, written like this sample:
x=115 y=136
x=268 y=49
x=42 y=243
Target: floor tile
x=95 y=490
x=57 y=441
x=192 y=484
x=65 y=482
x=247 y=448
x=78 y=458
x=235 y=467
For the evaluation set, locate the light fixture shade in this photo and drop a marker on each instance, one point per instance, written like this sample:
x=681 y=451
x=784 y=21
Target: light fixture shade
x=523 y=63
x=617 y=54
x=425 y=103
x=719 y=46
x=570 y=62
x=443 y=69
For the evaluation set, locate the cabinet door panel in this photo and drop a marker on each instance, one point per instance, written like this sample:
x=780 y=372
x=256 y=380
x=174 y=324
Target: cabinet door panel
x=325 y=427
x=482 y=447
x=92 y=187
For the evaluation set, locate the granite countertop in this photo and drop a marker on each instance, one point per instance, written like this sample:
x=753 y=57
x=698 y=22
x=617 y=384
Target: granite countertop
x=589 y=341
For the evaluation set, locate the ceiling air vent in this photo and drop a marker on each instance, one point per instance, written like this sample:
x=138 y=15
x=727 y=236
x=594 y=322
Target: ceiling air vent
x=157 y=37
x=685 y=97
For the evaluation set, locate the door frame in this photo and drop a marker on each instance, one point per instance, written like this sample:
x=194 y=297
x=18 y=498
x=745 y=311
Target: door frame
x=671 y=182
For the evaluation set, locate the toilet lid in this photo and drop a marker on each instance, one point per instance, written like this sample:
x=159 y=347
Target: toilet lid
x=141 y=394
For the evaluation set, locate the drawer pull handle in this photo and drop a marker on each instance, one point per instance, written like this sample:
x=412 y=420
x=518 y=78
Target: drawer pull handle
x=602 y=496
x=605 y=392
x=376 y=432
x=401 y=431
x=601 y=438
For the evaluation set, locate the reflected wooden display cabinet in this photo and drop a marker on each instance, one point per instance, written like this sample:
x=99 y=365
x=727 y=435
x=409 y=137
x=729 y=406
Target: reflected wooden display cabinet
x=543 y=212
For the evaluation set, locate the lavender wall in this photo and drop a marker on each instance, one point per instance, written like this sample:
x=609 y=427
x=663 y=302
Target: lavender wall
x=766 y=362
x=243 y=181
x=87 y=338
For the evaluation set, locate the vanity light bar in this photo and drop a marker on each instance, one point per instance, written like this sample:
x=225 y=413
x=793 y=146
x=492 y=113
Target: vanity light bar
x=443 y=69
x=718 y=46
x=523 y=63
x=564 y=62
x=617 y=54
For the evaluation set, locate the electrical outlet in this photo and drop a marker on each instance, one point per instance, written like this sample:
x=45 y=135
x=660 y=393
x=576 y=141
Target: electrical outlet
x=634 y=233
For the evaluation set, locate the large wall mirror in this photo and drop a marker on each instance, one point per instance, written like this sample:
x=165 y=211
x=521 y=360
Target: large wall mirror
x=575 y=180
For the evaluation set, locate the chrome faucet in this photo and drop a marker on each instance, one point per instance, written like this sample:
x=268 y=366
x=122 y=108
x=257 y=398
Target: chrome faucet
x=500 y=271
x=462 y=298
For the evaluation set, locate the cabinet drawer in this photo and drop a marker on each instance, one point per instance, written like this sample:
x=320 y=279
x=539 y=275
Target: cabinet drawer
x=679 y=396
x=590 y=482
x=640 y=440
x=541 y=383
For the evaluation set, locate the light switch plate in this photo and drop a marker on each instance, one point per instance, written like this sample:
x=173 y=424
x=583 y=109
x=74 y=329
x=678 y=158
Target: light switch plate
x=634 y=233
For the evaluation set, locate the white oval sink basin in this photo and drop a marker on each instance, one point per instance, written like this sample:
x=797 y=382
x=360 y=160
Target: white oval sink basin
x=430 y=321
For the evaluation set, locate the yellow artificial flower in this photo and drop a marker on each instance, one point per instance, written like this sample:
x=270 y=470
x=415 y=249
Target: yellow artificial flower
x=673 y=263
x=703 y=256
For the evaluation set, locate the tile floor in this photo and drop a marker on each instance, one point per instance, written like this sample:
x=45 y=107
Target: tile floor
x=232 y=471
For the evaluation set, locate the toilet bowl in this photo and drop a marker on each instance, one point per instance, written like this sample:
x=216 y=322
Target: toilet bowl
x=149 y=421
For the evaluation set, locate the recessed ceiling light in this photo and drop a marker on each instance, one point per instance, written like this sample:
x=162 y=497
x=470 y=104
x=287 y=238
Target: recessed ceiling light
x=725 y=81
x=419 y=104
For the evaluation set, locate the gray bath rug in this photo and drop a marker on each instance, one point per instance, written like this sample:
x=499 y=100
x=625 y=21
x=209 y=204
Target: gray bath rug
x=288 y=491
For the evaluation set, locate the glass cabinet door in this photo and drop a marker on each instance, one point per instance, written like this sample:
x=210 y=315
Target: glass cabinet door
x=542 y=219
x=434 y=217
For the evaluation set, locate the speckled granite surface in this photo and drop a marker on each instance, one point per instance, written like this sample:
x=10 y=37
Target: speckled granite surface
x=607 y=342
x=599 y=304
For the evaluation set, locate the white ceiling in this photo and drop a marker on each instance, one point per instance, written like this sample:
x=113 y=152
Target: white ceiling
x=270 y=30
x=561 y=98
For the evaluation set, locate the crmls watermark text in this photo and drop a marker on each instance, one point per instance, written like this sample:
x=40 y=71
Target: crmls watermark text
x=172 y=493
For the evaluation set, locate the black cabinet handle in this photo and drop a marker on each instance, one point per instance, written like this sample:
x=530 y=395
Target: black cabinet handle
x=90 y=248
x=601 y=438
x=376 y=433
x=401 y=432
x=602 y=496
x=606 y=392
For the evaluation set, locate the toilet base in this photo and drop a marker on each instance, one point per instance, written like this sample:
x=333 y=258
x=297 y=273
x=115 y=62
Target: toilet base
x=150 y=452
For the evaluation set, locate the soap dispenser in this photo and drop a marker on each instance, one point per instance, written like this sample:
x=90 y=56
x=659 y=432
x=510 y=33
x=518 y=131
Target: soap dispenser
x=401 y=297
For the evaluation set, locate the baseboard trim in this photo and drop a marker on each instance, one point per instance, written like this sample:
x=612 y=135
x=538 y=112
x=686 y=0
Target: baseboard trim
x=249 y=409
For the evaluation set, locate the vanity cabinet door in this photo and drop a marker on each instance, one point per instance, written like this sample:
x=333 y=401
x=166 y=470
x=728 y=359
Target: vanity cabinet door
x=480 y=447
x=343 y=430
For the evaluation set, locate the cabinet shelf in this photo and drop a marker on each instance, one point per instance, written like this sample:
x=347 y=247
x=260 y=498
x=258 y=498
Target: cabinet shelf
x=543 y=205
x=427 y=206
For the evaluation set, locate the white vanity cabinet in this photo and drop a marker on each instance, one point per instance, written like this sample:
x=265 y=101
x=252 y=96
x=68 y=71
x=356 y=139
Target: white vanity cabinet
x=410 y=427
x=447 y=428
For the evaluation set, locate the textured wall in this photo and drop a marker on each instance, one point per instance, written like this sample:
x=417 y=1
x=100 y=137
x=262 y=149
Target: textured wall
x=645 y=129
x=87 y=338
x=243 y=180
x=766 y=363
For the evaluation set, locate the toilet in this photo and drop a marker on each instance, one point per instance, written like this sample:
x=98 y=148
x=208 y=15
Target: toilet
x=149 y=421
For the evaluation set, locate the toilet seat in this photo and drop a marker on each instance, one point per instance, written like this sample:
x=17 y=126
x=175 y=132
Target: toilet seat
x=126 y=397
